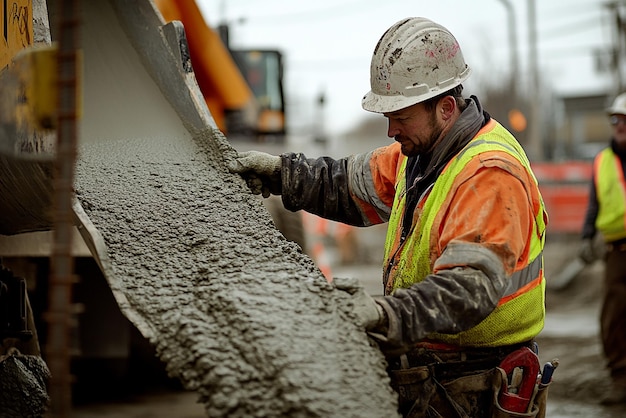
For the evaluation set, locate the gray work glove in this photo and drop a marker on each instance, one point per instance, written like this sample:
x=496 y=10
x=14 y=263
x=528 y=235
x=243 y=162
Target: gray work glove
x=260 y=170
x=586 y=252
x=369 y=313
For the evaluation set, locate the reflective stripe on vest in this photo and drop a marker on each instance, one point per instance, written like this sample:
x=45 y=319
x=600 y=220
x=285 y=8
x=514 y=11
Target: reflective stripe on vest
x=611 y=194
x=520 y=312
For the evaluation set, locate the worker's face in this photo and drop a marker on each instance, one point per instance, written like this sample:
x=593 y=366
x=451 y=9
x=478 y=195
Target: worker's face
x=619 y=129
x=416 y=128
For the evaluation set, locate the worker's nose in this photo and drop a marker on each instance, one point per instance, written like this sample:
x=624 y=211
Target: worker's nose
x=392 y=130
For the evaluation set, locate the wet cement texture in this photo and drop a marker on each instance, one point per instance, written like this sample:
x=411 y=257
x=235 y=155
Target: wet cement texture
x=237 y=313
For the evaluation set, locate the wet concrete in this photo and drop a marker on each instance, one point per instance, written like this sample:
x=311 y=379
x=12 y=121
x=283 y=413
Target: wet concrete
x=237 y=313
x=570 y=335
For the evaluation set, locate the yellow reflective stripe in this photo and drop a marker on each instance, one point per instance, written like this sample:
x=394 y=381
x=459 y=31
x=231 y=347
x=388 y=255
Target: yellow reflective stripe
x=396 y=212
x=482 y=141
x=361 y=183
x=520 y=319
x=536 y=246
x=522 y=277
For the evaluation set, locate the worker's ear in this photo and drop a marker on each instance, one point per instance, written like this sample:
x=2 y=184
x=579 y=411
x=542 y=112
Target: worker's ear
x=446 y=107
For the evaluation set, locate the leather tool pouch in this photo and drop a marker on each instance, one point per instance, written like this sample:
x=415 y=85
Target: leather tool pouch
x=541 y=399
x=432 y=391
x=466 y=396
x=421 y=395
x=415 y=387
x=538 y=401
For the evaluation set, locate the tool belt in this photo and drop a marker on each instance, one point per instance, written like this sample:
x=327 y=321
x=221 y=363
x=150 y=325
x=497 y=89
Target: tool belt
x=467 y=383
x=619 y=245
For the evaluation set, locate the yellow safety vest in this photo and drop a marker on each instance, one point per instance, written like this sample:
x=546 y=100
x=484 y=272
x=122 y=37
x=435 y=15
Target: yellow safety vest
x=611 y=194
x=520 y=313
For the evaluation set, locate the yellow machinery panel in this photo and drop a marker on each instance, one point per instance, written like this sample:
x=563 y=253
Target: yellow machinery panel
x=17 y=28
x=35 y=69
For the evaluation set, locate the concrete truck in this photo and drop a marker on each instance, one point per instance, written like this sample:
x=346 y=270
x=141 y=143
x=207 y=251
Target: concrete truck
x=27 y=242
x=136 y=244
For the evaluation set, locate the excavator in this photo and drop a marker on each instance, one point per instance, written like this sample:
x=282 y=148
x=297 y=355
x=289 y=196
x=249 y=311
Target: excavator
x=125 y=242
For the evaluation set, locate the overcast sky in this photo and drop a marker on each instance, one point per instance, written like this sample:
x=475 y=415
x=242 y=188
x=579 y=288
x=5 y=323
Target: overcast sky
x=328 y=44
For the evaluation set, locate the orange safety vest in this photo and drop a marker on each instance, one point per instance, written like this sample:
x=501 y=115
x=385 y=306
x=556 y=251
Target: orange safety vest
x=520 y=313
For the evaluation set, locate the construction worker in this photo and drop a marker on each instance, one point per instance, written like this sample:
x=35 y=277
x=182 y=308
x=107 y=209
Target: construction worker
x=463 y=267
x=606 y=214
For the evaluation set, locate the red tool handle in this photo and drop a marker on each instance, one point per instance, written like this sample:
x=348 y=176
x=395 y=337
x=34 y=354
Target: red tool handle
x=528 y=361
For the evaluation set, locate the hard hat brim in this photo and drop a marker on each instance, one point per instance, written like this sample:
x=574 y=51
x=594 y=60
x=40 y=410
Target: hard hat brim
x=373 y=102
x=615 y=111
x=618 y=107
x=380 y=103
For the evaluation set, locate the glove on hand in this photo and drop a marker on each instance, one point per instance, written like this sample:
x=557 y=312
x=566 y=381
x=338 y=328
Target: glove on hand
x=586 y=252
x=368 y=312
x=260 y=170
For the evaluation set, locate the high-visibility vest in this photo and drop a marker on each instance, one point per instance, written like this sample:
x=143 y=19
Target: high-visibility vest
x=520 y=313
x=611 y=195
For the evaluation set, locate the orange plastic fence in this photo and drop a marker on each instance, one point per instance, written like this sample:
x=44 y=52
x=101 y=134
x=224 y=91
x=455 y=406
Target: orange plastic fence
x=565 y=190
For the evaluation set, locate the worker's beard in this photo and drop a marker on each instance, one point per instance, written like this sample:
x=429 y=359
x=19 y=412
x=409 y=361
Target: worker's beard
x=419 y=146
x=435 y=137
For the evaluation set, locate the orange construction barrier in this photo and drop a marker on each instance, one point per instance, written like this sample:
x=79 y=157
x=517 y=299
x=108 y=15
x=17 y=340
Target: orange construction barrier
x=564 y=187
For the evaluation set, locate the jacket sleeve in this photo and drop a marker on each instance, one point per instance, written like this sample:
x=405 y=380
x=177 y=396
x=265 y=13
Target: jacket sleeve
x=449 y=301
x=484 y=235
x=356 y=190
x=589 y=225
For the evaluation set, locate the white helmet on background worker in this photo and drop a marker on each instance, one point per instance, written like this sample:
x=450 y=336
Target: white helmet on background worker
x=416 y=59
x=619 y=106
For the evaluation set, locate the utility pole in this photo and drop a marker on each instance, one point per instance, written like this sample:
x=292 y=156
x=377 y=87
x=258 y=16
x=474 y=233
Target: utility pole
x=60 y=316
x=513 y=51
x=535 y=143
x=618 y=49
x=319 y=134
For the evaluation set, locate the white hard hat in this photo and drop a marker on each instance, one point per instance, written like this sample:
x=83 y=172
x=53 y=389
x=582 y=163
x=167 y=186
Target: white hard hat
x=619 y=105
x=416 y=59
